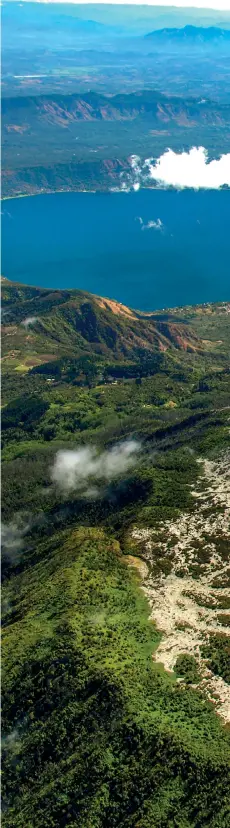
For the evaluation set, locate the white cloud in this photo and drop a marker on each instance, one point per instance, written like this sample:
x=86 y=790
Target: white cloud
x=190 y=169
x=156 y=225
x=151 y=224
x=30 y=320
x=79 y=469
x=183 y=169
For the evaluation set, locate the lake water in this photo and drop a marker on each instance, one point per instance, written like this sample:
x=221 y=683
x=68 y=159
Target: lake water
x=97 y=242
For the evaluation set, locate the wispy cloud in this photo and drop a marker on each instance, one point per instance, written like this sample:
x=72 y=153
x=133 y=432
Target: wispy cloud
x=151 y=224
x=11 y=741
x=6 y=212
x=84 y=468
x=12 y=535
x=30 y=320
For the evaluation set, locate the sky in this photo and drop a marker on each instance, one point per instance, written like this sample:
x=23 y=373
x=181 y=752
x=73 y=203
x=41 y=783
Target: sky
x=219 y=5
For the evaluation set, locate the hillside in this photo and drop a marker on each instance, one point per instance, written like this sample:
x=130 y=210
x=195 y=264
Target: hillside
x=85 y=141
x=73 y=323
x=115 y=600
x=22 y=113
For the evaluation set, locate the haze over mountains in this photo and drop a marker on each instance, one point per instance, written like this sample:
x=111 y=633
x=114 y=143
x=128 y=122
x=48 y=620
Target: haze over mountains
x=23 y=112
x=92 y=86
x=190 y=35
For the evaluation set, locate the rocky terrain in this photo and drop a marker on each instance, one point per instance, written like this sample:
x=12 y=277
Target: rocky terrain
x=190 y=600
x=23 y=113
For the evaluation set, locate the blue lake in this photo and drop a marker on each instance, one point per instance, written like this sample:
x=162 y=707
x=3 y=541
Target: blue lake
x=96 y=242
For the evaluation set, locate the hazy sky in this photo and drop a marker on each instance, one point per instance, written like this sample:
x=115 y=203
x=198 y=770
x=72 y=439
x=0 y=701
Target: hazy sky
x=198 y=4
x=220 y=5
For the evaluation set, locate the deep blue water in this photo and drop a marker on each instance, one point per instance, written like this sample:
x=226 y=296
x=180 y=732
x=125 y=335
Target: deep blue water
x=95 y=242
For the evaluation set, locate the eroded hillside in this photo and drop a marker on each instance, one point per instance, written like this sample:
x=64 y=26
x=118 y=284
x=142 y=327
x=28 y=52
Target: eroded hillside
x=190 y=598
x=43 y=325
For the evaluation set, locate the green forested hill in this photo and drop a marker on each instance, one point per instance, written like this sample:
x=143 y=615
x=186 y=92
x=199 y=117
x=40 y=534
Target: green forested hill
x=63 y=322
x=96 y=732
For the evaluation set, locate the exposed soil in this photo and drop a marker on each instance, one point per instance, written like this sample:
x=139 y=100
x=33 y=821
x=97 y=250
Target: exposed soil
x=186 y=603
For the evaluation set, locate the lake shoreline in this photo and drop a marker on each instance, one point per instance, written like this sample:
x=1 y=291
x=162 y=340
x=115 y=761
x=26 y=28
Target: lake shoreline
x=49 y=192
x=113 y=191
x=116 y=190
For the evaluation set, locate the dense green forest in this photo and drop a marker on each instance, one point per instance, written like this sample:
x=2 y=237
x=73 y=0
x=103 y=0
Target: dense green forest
x=96 y=732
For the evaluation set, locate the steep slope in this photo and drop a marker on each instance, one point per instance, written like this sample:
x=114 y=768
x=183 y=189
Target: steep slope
x=45 y=324
x=62 y=110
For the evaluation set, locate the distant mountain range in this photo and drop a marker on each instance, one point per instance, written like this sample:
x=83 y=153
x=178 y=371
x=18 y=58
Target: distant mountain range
x=190 y=34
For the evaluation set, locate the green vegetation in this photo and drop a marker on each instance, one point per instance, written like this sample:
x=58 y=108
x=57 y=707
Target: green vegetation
x=217 y=653
x=95 y=734
x=186 y=667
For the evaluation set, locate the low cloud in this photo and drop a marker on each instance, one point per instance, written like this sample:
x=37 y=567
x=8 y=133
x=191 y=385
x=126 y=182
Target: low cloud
x=11 y=742
x=30 y=320
x=131 y=180
x=4 y=314
x=83 y=469
x=191 y=169
x=151 y=224
x=12 y=535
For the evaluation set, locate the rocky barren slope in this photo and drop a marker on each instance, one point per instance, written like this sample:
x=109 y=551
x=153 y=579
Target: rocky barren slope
x=22 y=113
x=190 y=603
